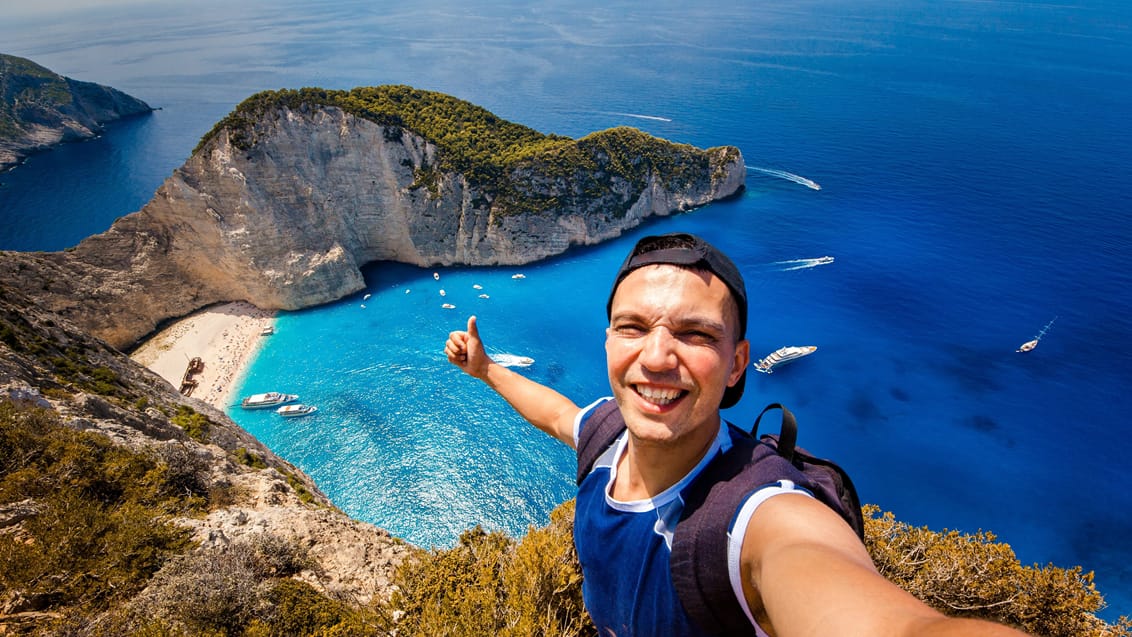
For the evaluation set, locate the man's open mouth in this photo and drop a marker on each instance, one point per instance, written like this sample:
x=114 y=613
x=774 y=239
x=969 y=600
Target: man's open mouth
x=659 y=396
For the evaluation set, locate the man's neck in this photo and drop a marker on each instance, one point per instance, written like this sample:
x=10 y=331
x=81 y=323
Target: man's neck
x=647 y=468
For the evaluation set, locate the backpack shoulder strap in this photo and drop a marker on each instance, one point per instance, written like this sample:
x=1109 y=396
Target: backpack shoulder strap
x=787 y=437
x=699 y=550
x=699 y=566
x=599 y=431
x=829 y=482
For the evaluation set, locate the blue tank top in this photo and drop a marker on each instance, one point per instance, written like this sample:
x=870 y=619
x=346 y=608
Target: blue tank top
x=624 y=549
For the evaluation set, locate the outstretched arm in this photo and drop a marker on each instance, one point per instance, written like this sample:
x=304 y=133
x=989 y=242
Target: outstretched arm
x=809 y=575
x=543 y=407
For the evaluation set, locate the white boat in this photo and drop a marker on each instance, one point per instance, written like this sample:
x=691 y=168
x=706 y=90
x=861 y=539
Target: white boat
x=448 y=306
x=513 y=360
x=782 y=356
x=1029 y=346
x=269 y=399
x=267 y=331
x=518 y=276
x=294 y=411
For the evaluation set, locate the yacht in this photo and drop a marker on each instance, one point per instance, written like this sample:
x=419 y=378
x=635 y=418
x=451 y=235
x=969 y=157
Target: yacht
x=782 y=356
x=269 y=399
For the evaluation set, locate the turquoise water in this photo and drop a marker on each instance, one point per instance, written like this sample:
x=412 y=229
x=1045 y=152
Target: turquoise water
x=973 y=162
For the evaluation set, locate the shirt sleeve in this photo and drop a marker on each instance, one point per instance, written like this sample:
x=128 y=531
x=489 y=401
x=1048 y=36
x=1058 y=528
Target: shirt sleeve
x=737 y=533
x=584 y=415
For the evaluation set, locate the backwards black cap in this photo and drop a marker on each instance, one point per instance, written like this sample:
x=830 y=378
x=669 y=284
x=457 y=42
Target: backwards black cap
x=690 y=251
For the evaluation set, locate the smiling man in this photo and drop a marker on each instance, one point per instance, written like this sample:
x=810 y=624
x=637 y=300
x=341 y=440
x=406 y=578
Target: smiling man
x=676 y=354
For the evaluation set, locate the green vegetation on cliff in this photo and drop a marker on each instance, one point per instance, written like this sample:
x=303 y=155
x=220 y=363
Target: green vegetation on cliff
x=24 y=83
x=492 y=585
x=520 y=168
x=83 y=530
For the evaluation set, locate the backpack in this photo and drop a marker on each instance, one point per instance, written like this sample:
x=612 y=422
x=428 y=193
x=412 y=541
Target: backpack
x=699 y=547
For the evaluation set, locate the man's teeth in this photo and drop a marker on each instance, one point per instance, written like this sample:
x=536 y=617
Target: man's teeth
x=659 y=396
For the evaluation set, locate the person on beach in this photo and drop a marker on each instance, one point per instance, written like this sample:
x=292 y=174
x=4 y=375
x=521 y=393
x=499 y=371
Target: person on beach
x=676 y=353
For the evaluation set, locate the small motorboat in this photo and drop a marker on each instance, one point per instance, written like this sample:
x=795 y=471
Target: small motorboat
x=783 y=355
x=513 y=360
x=294 y=411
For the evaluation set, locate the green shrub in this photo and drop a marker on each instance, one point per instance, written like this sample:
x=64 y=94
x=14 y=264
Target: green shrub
x=97 y=525
x=245 y=457
x=543 y=581
x=243 y=589
x=489 y=584
x=975 y=576
x=195 y=424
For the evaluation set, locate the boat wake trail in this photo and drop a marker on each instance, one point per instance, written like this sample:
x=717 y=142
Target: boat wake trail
x=782 y=174
x=654 y=118
x=801 y=264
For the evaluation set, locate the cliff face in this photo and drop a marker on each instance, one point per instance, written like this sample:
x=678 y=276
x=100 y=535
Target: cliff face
x=286 y=221
x=40 y=108
x=47 y=363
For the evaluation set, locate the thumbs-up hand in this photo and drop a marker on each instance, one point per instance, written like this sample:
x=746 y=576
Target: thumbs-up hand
x=465 y=350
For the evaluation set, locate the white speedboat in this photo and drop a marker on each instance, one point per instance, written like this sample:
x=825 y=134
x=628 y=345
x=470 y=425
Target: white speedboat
x=513 y=360
x=782 y=356
x=268 y=399
x=294 y=411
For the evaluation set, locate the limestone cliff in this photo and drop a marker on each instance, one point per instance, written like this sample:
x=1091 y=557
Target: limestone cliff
x=48 y=364
x=40 y=108
x=292 y=193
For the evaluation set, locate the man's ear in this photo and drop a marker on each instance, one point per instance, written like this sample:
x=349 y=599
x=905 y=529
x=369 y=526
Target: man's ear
x=742 y=359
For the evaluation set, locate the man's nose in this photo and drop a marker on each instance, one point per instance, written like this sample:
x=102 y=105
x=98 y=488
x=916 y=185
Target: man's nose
x=658 y=350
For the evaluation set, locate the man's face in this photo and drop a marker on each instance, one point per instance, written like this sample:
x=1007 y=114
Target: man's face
x=671 y=352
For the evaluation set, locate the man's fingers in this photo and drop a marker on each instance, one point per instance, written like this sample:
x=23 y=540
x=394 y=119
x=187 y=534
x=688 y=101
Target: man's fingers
x=473 y=331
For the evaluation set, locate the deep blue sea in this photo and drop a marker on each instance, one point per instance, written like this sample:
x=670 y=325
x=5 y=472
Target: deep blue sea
x=973 y=158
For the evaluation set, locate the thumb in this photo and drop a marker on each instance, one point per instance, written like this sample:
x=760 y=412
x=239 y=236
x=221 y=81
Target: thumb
x=473 y=331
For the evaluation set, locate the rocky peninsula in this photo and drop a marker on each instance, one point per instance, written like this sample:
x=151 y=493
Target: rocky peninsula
x=289 y=196
x=40 y=109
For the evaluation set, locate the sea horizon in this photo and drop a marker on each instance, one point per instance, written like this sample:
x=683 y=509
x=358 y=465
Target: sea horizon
x=967 y=158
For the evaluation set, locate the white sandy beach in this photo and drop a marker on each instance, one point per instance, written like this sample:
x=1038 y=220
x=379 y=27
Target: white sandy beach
x=224 y=336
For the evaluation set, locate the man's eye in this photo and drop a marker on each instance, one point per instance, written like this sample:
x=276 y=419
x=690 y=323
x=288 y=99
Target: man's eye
x=629 y=330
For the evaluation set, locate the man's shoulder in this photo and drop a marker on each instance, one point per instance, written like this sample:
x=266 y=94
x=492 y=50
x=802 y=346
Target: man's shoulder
x=595 y=427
